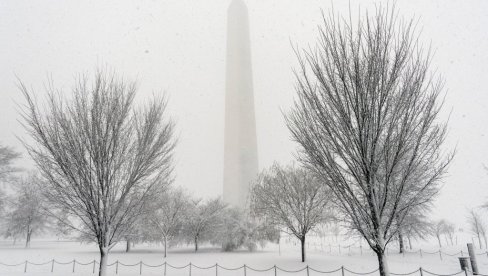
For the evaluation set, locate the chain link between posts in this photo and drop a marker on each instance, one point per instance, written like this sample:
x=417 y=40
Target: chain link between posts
x=189 y=266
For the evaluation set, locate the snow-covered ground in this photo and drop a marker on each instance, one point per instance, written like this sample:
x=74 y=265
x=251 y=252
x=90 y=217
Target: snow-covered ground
x=319 y=258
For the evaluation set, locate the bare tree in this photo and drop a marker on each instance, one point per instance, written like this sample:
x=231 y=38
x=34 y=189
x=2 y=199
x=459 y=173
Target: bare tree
x=238 y=228
x=439 y=229
x=26 y=214
x=168 y=215
x=477 y=226
x=336 y=230
x=416 y=226
x=366 y=118
x=138 y=230
x=321 y=230
x=414 y=222
x=101 y=156
x=201 y=220
x=450 y=232
x=7 y=158
x=59 y=226
x=292 y=197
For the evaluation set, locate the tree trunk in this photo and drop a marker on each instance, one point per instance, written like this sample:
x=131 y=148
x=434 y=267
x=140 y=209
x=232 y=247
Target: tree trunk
x=165 y=246
x=127 y=245
x=400 y=242
x=196 y=243
x=28 y=238
x=380 y=253
x=439 y=240
x=102 y=271
x=479 y=240
x=382 y=262
x=302 y=242
x=410 y=242
x=279 y=246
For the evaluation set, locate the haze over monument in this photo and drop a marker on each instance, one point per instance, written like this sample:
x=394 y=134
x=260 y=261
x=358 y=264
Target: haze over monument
x=240 y=145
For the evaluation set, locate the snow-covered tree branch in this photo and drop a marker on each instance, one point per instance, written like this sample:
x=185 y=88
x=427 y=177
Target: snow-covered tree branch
x=367 y=120
x=101 y=156
x=292 y=197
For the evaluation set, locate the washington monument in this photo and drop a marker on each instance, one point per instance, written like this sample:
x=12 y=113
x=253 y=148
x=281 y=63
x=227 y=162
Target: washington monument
x=240 y=149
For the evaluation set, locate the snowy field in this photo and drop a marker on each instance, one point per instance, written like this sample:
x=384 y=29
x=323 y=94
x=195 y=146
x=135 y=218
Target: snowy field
x=319 y=258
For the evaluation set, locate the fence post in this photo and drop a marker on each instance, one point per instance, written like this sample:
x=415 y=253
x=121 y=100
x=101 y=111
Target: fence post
x=52 y=266
x=275 y=270
x=440 y=254
x=74 y=262
x=245 y=272
x=140 y=267
x=25 y=267
x=421 y=272
x=342 y=270
x=190 y=269
x=308 y=272
x=94 y=262
x=216 y=269
x=164 y=268
x=117 y=267
x=472 y=257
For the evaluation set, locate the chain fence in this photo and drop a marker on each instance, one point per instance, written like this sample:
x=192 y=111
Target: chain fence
x=164 y=266
x=351 y=249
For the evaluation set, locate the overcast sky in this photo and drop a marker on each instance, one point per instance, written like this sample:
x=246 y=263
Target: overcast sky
x=178 y=47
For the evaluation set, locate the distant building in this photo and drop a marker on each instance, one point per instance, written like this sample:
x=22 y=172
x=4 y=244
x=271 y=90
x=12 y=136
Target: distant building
x=240 y=145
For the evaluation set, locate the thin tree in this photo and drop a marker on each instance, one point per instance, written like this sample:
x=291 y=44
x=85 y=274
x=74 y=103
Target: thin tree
x=7 y=158
x=450 y=232
x=101 y=156
x=321 y=230
x=366 y=117
x=136 y=233
x=336 y=230
x=477 y=226
x=413 y=220
x=291 y=197
x=439 y=229
x=26 y=214
x=416 y=226
x=202 y=218
x=169 y=214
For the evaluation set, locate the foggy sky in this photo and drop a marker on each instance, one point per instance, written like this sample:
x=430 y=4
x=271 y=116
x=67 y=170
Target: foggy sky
x=178 y=47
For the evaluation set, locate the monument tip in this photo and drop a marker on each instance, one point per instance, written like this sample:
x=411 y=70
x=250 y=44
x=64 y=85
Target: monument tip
x=237 y=4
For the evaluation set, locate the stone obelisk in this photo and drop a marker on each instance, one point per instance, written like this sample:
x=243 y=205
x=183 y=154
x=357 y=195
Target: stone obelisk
x=240 y=149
